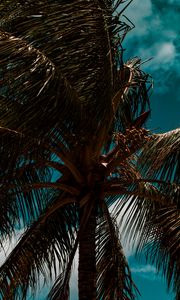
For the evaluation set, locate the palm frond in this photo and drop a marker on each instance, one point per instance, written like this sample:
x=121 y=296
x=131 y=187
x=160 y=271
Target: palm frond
x=161 y=243
x=149 y=218
x=135 y=100
x=21 y=202
x=85 y=31
x=113 y=275
x=30 y=170
x=60 y=289
x=49 y=240
x=36 y=96
x=144 y=198
x=160 y=157
x=130 y=101
x=78 y=45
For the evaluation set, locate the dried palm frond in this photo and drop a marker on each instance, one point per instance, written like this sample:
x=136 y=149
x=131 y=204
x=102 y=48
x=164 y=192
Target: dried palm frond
x=113 y=275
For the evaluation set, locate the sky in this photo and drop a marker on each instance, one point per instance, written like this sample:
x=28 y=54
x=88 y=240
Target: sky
x=156 y=35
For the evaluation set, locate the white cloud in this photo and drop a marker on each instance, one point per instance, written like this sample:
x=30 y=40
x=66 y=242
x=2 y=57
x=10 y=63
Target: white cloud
x=144 y=269
x=166 y=53
x=163 y=55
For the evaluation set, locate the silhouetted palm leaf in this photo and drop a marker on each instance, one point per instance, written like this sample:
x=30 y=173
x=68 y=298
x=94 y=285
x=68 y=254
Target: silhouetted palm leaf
x=160 y=157
x=42 y=250
x=113 y=275
x=160 y=241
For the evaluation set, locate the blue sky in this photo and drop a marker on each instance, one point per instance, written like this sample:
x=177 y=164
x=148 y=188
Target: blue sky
x=155 y=35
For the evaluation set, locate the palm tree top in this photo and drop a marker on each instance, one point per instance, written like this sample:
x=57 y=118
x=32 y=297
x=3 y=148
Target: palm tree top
x=74 y=143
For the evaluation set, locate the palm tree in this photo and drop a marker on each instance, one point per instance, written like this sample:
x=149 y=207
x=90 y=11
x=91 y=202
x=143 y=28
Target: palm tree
x=74 y=145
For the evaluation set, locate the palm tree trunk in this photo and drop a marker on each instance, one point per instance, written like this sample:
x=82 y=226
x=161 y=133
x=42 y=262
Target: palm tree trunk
x=87 y=261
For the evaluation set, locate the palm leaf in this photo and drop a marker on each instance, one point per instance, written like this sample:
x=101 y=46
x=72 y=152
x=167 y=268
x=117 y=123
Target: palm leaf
x=81 y=32
x=23 y=183
x=113 y=275
x=83 y=29
x=21 y=205
x=135 y=99
x=28 y=74
x=49 y=240
x=130 y=102
x=29 y=174
x=137 y=205
x=60 y=289
x=160 y=157
x=161 y=241
x=150 y=218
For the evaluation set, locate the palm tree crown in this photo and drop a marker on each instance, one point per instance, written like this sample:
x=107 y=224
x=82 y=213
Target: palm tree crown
x=73 y=145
